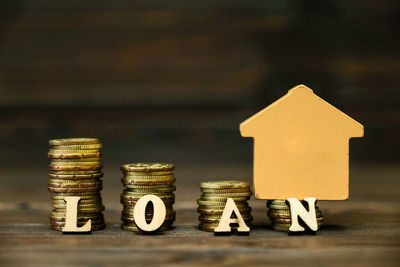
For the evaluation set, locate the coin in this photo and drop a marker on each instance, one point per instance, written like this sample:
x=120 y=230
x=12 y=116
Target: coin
x=274 y=215
x=74 y=190
x=71 y=155
x=147 y=173
x=75 y=167
x=93 y=227
x=225 y=185
x=207 y=219
x=213 y=200
x=78 y=184
x=219 y=211
x=136 y=229
x=227 y=195
x=279 y=215
x=81 y=202
x=217 y=203
x=75 y=172
x=81 y=207
x=142 y=179
x=224 y=199
x=147 y=167
x=76 y=176
x=79 y=160
x=78 y=147
x=232 y=190
x=73 y=141
x=211 y=227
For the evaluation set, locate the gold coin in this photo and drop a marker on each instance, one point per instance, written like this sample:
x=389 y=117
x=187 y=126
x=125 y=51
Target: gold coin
x=127 y=193
x=168 y=205
x=136 y=229
x=127 y=212
x=156 y=173
x=241 y=206
x=278 y=207
x=82 y=217
x=242 y=194
x=246 y=210
x=73 y=141
x=81 y=206
x=218 y=203
x=283 y=215
x=79 y=220
x=86 y=154
x=62 y=203
x=75 y=190
x=136 y=181
x=76 y=172
x=73 y=151
x=224 y=199
x=149 y=191
x=277 y=202
x=76 y=176
x=281 y=207
x=289 y=221
x=204 y=219
x=98 y=220
x=225 y=185
x=61 y=214
x=285 y=227
x=147 y=167
x=81 y=160
x=75 y=168
x=133 y=224
x=87 y=209
x=82 y=199
x=150 y=187
x=83 y=195
x=232 y=190
x=78 y=147
x=73 y=181
x=74 y=163
x=151 y=178
x=131 y=220
x=78 y=184
x=211 y=227
x=93 y=227
x=132 y=201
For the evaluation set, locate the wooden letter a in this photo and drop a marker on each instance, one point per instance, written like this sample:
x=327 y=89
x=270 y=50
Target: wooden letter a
x=226 y=220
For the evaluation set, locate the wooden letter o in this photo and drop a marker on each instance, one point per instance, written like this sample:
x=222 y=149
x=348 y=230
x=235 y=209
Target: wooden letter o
x=159 y=213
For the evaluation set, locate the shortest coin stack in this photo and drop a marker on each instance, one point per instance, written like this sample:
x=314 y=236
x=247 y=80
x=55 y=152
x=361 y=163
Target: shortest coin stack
x=142 y=179
x=279 y=215
x=75 y=170
x=213 y=199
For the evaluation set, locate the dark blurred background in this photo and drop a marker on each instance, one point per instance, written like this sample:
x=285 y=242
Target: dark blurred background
x=172 y=80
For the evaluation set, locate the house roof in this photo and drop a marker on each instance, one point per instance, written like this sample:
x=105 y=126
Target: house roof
x=299 y=90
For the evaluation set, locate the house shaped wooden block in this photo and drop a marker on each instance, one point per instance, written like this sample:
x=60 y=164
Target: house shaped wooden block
x=301 y=147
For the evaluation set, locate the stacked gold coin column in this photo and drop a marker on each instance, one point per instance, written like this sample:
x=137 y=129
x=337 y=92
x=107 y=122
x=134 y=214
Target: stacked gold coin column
x=213 y=199
x=279 y=215
x=142 y=179
x=75 y=170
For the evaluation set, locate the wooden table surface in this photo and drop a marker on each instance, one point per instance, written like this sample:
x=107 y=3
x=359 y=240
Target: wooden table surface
x=362 y=231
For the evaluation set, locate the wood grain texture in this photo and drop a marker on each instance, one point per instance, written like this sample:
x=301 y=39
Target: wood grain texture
x=362 y=231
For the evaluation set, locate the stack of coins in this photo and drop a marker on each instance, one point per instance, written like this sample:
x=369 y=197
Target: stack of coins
x=75 y=170
x=279 y=215
x=142 y=179
x=213 y=199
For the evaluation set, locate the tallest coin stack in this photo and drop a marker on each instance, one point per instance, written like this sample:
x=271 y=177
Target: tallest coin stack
x=75 y=170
